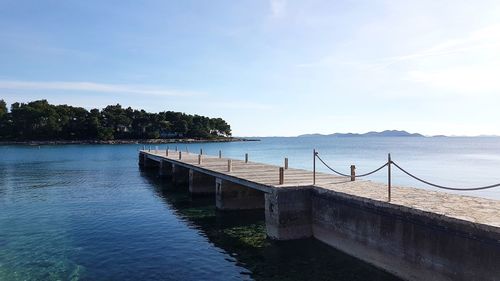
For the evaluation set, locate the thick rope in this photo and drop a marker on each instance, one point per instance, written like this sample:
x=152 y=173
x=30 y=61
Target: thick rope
x=445 y=187
x=331 y=169
x=409 y=174
x=372 y=172
x=344 y=175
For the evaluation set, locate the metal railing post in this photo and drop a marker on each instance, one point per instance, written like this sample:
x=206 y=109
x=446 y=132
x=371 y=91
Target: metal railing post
x=229 y=165
x=389 y=162
x=199 y=159
x=353 y=172
x=220 y=153
x=180 y=155
x=314 y=166
x=201 y=151
x=246 y=157
x=286 y=163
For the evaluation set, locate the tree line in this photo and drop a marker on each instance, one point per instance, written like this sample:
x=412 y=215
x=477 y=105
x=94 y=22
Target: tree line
x=39 y=120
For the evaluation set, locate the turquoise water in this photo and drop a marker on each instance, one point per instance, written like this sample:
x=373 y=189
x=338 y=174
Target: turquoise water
x=86 y=212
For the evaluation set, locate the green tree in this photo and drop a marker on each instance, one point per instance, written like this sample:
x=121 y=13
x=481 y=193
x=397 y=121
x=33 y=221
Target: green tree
x=180 y=127
x=5 y=128
x=3 y=109
x=39 y=120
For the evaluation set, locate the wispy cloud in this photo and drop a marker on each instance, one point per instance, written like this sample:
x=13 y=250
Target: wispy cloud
x=484 y=39
x=487 y=38
x=239 y=105
x=93 y=87
x=278 y=8
x=470 y=81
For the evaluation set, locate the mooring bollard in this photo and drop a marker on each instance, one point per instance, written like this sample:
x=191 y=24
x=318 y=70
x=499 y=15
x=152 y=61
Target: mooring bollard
x=180 y=155
x=282 y=175
x=286 y=163
x=229 y=165
x=353 y=172
x=246 y=157
x=220 y=153
x=199 y=159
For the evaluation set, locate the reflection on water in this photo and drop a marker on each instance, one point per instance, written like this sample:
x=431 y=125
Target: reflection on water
x=84 y=212
x=242 y=235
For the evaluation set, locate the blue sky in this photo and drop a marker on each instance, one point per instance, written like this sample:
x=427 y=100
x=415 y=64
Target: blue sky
x=279 y=67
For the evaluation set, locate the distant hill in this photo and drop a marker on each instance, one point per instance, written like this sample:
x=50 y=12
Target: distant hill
x=386 y=133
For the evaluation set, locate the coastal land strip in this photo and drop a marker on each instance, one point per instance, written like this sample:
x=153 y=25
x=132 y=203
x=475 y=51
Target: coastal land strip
x=127 y=141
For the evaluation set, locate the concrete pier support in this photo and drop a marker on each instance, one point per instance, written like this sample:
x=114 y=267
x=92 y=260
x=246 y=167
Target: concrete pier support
x=232 y=196
x=146 y=163
x=141 y=160
x=165 y=169
x=180 y=175
x=201 y=183
x=288 y=214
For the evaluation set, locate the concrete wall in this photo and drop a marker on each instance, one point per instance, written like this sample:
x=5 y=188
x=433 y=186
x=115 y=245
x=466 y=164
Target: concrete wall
x=412 y=245
x=232 y=196
x=180 y=175
x=288 y=214
x=147 y=163
x=141 y=159
x=201 y=183
x=165 y=169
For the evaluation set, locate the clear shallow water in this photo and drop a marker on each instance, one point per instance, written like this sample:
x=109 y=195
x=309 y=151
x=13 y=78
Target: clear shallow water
x=86 y=212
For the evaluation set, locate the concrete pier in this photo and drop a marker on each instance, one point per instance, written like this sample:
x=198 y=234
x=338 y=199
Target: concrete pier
x=165 y=169
x=288 y=214
x=147 y=163
x=232 y=196
x=201 y=183
x=403 y=241
x=418 y=235
x=180 y=174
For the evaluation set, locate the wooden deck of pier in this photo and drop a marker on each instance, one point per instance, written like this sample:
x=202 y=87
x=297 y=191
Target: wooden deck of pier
x=265 y=177
x=261 y=176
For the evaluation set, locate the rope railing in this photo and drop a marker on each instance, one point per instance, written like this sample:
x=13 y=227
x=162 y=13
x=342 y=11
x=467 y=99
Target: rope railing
x=445 y=187
x=389 y=175
x=345 y=175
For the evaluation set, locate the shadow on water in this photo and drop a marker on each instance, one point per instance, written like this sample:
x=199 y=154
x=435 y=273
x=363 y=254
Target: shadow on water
x=242 y=235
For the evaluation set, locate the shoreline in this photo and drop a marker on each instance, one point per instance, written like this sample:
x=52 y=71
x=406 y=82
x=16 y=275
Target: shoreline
x=125 y=141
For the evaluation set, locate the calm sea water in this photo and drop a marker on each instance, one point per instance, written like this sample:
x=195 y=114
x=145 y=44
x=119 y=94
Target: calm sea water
x=86 y=212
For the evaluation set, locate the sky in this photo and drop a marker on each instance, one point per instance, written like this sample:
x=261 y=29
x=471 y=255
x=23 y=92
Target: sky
x=268 y=67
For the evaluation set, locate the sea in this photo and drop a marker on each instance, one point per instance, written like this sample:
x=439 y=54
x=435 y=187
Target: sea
x=87 y=212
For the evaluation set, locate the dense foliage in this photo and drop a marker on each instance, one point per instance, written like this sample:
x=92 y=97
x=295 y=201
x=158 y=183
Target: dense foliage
x=39 y=120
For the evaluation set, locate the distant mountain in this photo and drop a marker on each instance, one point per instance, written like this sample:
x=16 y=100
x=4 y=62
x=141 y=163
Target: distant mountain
x=386 y=133
x=311 y=135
